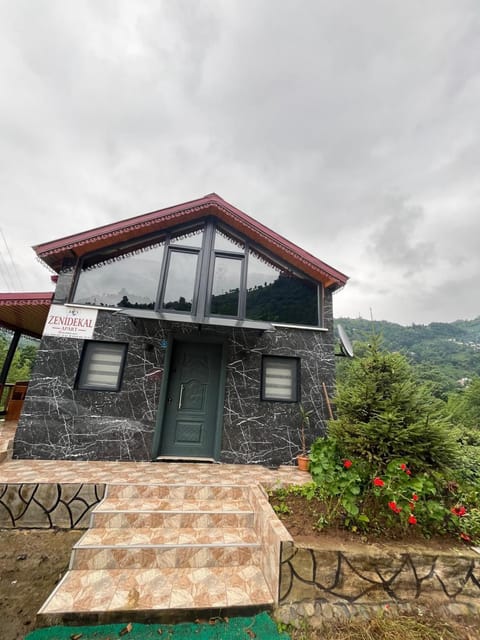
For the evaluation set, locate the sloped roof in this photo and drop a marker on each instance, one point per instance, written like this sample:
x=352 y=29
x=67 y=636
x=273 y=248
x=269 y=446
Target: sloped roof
x=25 y=312
x=53 y=253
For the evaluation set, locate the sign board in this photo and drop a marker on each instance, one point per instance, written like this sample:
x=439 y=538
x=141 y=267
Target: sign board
x=70 y=322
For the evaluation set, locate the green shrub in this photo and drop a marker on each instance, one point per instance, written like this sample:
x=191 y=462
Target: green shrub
x=384 y=414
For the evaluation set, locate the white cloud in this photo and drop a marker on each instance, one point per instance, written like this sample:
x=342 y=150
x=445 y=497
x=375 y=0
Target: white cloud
x=350 y=128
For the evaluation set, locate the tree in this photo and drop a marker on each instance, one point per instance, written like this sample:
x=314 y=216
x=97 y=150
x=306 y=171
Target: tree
x=464 y=407
x=384 y=414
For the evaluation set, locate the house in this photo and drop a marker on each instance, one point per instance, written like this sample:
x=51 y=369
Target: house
x=193 y=332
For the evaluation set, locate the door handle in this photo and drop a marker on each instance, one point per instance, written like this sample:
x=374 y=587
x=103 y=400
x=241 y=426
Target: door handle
x=181 y=396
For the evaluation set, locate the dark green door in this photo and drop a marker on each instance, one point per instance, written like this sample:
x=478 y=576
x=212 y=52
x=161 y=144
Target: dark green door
x=190 y=421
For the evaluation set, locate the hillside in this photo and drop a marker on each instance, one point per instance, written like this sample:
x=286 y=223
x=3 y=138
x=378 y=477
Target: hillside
x=444 y=353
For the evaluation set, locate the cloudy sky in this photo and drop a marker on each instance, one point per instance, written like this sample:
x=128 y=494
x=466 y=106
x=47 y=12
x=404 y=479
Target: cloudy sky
x=352 y=128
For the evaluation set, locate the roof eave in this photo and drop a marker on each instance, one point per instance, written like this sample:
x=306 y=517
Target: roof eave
x=53 y=253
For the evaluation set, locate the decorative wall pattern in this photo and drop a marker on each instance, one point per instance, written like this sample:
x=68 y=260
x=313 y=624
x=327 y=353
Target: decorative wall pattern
x=45 y=506
x=61 y=422
x=335 y=577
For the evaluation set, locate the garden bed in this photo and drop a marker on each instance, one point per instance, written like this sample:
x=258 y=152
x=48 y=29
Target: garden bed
x=301 y=517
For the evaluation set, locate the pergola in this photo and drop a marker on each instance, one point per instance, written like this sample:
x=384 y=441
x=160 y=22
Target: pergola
x=24 y=314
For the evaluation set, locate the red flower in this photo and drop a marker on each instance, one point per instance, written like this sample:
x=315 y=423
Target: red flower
x=408 y=472
x=378 y=482
x=414 y=497
x=412 y=520
x=465 y=536
x=394 y=507
x=347 y=464
x=459 y=511
x=411 y=505
x=403 y=466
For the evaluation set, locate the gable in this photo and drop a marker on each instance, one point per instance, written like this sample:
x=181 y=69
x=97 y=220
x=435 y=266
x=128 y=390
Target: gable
x=141 y=229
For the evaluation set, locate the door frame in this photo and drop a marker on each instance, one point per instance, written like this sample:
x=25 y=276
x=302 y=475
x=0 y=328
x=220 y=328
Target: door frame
x=162 y=403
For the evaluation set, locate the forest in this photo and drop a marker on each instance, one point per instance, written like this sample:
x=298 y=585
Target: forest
x=446 y=355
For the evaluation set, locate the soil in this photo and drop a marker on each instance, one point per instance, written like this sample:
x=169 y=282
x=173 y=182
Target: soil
x=32 y=561
x=300 y=517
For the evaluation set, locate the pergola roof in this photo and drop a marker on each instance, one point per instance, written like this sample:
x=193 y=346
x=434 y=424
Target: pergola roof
x=25 y=312
x=53 y=253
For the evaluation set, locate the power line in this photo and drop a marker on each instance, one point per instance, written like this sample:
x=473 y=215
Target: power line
x=14 y=266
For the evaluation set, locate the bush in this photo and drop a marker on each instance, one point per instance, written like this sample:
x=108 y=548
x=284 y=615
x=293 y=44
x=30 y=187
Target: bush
x=385 y=414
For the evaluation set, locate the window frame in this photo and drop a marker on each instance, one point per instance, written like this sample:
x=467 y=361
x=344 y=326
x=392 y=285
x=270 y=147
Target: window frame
x=87 y=354
x=296 y=387
x=205 y=269
x=165 y=272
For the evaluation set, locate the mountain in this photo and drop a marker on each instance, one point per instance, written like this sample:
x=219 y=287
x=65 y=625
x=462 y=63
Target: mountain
x=447 y=354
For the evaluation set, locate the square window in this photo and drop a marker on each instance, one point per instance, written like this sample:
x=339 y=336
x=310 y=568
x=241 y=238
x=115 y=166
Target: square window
x=101 y=366
x=280 y=379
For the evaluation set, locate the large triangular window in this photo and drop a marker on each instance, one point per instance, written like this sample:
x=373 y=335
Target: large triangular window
x=202 y=271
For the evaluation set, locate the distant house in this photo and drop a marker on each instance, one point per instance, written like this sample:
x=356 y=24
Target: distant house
x=193 y=332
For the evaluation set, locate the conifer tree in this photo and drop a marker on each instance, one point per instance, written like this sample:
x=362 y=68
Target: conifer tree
x=384 y=413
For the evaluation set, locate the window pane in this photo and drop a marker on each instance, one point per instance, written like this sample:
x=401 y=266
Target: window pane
x=223 y=242
x=192 y=238
x=279 y=296
x=226 y=286
x=129 y=281
x=180 y=281
x=280 y=379
x=102 y=365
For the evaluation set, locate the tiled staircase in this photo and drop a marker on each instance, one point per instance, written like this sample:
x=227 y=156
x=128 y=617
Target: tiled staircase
x=163 y=552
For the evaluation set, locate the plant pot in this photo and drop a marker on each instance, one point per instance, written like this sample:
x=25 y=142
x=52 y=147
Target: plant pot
x=303 y=462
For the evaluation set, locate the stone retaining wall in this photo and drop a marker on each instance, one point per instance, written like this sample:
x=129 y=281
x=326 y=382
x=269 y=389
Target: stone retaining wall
x=46 y=506
x=325 y=583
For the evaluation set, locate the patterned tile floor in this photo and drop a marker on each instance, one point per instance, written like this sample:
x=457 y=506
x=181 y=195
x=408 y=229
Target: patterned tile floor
x=70 y=471
x=67 y=471
x=143 y=589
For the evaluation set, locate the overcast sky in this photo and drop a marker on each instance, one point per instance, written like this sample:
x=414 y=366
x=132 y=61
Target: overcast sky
x=352 y=128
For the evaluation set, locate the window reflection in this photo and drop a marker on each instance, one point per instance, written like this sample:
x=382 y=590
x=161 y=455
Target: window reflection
x=226 y=286
x=279 y=296
x=131 y=281
x=180 y=281
x=224 y=243
x=191 y=238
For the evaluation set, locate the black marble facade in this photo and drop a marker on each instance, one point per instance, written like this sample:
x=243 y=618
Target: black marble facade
x=61 y=422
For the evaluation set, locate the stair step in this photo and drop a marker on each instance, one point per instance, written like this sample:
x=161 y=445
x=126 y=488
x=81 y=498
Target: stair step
x=151 y=504
x=112 y=518
x=108 y=593
x=108 y=537
x=158 y=556
x=178 y=492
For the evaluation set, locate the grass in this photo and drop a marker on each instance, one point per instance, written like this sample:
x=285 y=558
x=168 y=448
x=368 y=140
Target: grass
x=391 y=628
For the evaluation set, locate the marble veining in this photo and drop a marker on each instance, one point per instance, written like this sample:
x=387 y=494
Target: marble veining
x=62 y=422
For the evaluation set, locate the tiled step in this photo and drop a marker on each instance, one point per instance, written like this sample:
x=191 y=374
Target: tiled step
x=177 y=491
x=181 y=505
x=159 y=556
x=112 y=518
x=102 y=594
x=164 y=536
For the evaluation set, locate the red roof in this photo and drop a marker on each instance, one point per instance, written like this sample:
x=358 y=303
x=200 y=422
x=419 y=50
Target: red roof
x=25 y=312
x=53 y=253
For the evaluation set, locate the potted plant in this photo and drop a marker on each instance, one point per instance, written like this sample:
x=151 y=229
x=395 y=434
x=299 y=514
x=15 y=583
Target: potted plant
x=303 y=461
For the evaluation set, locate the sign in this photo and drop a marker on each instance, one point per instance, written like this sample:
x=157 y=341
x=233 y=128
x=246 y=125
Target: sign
x=70 y=322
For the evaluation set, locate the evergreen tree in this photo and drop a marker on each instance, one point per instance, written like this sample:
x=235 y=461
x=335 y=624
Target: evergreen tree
x=384 y=413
